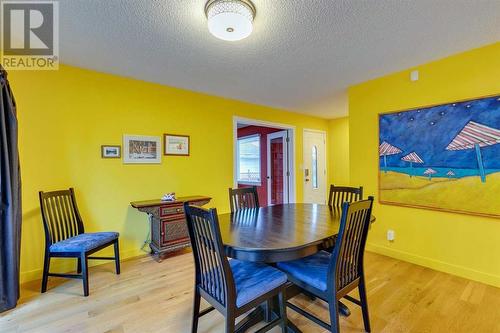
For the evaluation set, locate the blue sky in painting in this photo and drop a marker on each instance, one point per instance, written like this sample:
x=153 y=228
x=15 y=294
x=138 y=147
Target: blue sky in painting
x=428 y=131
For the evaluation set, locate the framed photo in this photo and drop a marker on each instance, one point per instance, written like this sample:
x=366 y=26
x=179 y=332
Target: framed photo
x=139 y=149
x=108 y=151
x=443 y=157
x=177 y=145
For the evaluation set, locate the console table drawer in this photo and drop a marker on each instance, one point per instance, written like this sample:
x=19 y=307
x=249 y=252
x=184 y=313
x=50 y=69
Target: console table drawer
x=171 y=210
x=173 y=231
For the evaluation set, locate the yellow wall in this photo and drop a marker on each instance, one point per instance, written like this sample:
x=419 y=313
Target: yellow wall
x=464 y=245
x=338 y=157
x=66 y=115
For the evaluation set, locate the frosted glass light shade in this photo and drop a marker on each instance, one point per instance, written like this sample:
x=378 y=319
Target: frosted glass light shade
x=230 y=20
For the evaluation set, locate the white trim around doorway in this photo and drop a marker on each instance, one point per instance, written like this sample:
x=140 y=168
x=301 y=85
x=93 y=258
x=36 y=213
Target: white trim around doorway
x=291 y=135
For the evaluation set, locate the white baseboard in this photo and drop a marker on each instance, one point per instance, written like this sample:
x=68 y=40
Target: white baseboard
x=65 y=265
x=438 y=265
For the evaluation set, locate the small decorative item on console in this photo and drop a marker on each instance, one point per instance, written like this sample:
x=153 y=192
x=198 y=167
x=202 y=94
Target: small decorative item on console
x=168 y=197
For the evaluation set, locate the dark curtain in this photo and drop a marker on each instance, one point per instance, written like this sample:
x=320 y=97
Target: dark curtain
x=10 y=198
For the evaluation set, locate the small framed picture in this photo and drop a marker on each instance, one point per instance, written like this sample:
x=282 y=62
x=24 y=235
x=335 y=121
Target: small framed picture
x=176 y=145
x=141 y=149
x=108 y=151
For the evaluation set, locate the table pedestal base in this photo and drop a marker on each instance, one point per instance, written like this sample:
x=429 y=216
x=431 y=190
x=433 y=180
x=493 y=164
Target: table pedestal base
x=259 y=314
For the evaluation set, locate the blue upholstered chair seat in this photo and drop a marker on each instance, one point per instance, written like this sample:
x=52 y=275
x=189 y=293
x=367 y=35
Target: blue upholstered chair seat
x=312 y=270
x=83 y=242
x=253 y=280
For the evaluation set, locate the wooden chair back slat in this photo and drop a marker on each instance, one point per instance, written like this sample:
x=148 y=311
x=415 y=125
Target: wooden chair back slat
x=60 y=215
x=57 y=219
x=49 y=218
x=243 y=198
x=61 y=221
x=75 y=215
x=66 y=217
x=347 y=260
x=340 y=194
x=213 y=273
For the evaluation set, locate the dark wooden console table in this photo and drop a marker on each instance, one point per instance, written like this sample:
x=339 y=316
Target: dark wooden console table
x=168 y=223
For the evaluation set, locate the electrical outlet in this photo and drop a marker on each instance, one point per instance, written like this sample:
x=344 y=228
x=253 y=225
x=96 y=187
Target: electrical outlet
x=391 y=235
x=414 y=75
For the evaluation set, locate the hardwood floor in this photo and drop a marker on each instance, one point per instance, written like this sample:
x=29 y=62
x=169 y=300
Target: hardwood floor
x=156 y=297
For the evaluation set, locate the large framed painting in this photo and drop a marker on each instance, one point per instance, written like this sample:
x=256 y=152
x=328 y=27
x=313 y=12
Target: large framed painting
x=140 y=149
x=443 y=157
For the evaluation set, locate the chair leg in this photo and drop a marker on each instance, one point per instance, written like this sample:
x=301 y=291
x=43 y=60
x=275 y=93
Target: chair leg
x=85 y=274
x=268 y=311
x=79 y=266
x=230 y=323
x=364 y=304
x=334 y=316
x=196 y=311
x=45 y=276
x=117 y=257
x=282 y=305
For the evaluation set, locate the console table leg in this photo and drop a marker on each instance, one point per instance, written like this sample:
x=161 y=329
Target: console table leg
x=147 y=241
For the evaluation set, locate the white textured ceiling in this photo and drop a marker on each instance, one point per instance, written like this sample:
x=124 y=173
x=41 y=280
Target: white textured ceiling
x=302 y=55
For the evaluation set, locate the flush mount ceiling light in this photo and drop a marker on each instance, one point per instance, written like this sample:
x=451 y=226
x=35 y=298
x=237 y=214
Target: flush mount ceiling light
x=230 y=20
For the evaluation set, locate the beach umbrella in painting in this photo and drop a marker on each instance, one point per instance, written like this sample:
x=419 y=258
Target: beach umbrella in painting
x=429 y=172
x=450 y=173
x=412 y=158
x=386 y=149
x=474 y=136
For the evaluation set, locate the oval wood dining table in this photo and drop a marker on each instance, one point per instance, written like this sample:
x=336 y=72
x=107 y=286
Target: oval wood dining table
x=278 y=233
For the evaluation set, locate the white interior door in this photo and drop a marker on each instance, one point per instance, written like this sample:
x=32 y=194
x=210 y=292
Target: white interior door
x=314 y=167
x=277 y=175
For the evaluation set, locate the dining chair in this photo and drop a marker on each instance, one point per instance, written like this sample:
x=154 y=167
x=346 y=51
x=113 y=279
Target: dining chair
x=340 y=194
x=65 y=237
x=233 y=287
x=331 y=276
x=241 y=198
